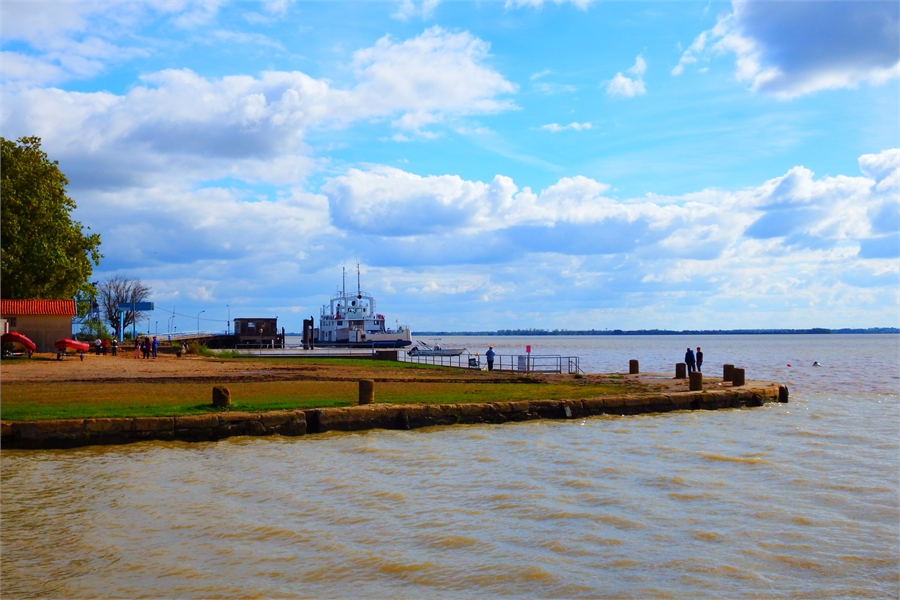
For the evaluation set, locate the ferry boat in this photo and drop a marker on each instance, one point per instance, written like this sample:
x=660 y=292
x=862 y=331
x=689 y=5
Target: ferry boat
x=350 y=321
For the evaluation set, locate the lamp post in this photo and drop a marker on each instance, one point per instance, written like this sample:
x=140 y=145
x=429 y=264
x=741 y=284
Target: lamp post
x=228 y=324
x=157 y=328
x=198 y=320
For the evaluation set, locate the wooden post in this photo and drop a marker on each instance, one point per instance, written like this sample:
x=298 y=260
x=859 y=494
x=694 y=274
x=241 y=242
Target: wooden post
x=680 y=370
x=696 y=383
x=366 y=391
x=221 y=396
x=738 y=378
x=727 y=372
x=633 y=368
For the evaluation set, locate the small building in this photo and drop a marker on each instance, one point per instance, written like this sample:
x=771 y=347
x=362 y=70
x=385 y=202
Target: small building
x=258 y=332
x=42 y=321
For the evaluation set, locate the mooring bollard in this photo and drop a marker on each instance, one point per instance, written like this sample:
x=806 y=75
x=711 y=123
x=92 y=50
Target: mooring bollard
x=696 y=383
x=633 y=368
x=680 y=370
x=221 y=396
x=727 y=372
x=738 y=378
x=366 y=391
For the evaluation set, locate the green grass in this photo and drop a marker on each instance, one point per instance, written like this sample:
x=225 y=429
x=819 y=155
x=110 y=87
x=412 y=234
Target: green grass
x=85 y=400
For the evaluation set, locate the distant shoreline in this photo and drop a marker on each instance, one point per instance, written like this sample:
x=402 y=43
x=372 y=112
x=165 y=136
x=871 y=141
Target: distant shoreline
x=543 y=332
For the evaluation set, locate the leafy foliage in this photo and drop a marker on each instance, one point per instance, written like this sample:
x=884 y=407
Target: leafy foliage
x=44 y=253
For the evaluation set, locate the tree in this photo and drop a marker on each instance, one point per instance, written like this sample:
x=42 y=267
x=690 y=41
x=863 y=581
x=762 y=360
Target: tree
x=118 y=289
x=44 y=253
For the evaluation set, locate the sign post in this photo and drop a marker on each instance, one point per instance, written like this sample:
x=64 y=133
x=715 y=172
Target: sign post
x=134 y=307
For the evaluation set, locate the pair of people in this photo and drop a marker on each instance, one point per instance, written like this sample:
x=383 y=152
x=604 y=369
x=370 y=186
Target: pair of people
x=694 y=362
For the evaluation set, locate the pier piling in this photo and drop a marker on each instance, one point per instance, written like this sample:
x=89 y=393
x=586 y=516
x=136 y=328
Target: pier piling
x=366 y=391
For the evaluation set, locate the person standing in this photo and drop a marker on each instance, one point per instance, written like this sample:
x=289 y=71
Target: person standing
x=145 y=347
x=699 y=358
x=156 y=346
x=115 y=346
x=97 y=344
x=489 y=355
x=137 y=348
x=689 y=361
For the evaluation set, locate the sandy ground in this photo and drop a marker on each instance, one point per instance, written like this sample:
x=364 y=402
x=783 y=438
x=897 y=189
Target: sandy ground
x=44 y=368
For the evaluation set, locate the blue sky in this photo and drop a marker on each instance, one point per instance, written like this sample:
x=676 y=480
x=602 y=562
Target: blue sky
x=489 y=164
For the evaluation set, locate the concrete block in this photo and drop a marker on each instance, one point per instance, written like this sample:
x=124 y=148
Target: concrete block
x=108 y=425
x=154 y=424
x=196 y=421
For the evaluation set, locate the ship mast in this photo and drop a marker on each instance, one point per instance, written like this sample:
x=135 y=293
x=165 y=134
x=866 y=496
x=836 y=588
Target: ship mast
x=358 y=288
x=344 y=279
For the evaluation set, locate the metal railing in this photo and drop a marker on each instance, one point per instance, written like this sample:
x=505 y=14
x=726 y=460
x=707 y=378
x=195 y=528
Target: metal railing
x=521 y=363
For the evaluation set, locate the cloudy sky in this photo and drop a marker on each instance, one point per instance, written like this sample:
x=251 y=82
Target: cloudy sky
x=519 y=164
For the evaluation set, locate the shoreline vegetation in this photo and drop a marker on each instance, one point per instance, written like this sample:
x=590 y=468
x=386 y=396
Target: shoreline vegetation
x=114 y=400
x=103 y=386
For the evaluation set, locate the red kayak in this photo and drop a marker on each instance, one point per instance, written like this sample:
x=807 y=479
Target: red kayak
x=75 y=345
x=14 y=337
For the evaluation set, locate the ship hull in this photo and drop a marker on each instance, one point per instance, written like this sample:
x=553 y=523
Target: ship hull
x=372 y=344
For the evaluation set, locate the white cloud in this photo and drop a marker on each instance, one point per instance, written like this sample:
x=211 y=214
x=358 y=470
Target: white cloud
x=539 y=4
x=409 y=10
x=252 y=128
x=624 y=86
x=794 y=48
x=555 y=127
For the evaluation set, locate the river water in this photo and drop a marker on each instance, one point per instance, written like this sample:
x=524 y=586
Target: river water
x=786 y=500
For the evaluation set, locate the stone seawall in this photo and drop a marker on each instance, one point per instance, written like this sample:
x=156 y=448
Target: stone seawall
x=70 y=433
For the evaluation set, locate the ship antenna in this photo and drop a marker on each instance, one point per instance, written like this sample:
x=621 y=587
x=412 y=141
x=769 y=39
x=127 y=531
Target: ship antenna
x=344 y=279
x=358 y=288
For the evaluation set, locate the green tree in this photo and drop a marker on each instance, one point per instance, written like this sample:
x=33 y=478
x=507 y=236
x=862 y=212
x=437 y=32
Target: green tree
x=44 y=253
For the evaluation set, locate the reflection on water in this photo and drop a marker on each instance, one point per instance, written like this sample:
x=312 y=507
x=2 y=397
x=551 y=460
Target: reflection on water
x=798 y=499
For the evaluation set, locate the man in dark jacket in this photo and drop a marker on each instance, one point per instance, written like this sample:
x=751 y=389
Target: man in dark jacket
x=689 y=360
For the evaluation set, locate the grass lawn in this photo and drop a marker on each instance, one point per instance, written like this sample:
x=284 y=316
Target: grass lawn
x=27 y=401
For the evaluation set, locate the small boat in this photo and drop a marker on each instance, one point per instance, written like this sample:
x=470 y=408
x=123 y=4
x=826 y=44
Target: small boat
x=64 y=345
x=16 y=338
x=423 y=349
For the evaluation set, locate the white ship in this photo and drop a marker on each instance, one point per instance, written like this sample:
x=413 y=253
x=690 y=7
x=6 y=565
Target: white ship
x=350 y=321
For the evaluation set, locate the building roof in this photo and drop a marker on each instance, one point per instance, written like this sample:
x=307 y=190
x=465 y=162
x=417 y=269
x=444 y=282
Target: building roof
x=38 y=307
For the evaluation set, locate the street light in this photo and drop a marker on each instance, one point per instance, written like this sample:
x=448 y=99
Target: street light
x=228 y=325
x=157 y=328
x=198 y=320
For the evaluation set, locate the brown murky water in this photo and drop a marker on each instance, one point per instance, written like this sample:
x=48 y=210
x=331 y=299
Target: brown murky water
x=784 y=500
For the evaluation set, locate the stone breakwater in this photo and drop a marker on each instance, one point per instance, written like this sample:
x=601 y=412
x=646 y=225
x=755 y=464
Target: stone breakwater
x=70 y=433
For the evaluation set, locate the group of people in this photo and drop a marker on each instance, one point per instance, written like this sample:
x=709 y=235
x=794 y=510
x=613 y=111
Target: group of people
x=146 y=348
x=693 y=361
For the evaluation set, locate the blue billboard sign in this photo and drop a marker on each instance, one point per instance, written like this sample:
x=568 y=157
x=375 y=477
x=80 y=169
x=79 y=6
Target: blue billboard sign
x=137 y=306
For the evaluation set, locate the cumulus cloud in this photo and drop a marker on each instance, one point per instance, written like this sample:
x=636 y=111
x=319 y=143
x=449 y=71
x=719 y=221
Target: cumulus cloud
x=793 y=48
x=252 y=128
x=66 y=40
x=576 y=216
x=625 y=86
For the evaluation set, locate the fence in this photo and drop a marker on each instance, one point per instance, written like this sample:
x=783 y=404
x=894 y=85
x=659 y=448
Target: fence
x=525 y=363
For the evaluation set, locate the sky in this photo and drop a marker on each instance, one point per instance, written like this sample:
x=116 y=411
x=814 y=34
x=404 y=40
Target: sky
x=489 y=165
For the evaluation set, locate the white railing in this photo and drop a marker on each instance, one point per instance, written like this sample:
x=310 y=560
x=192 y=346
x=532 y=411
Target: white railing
x=522 y=363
